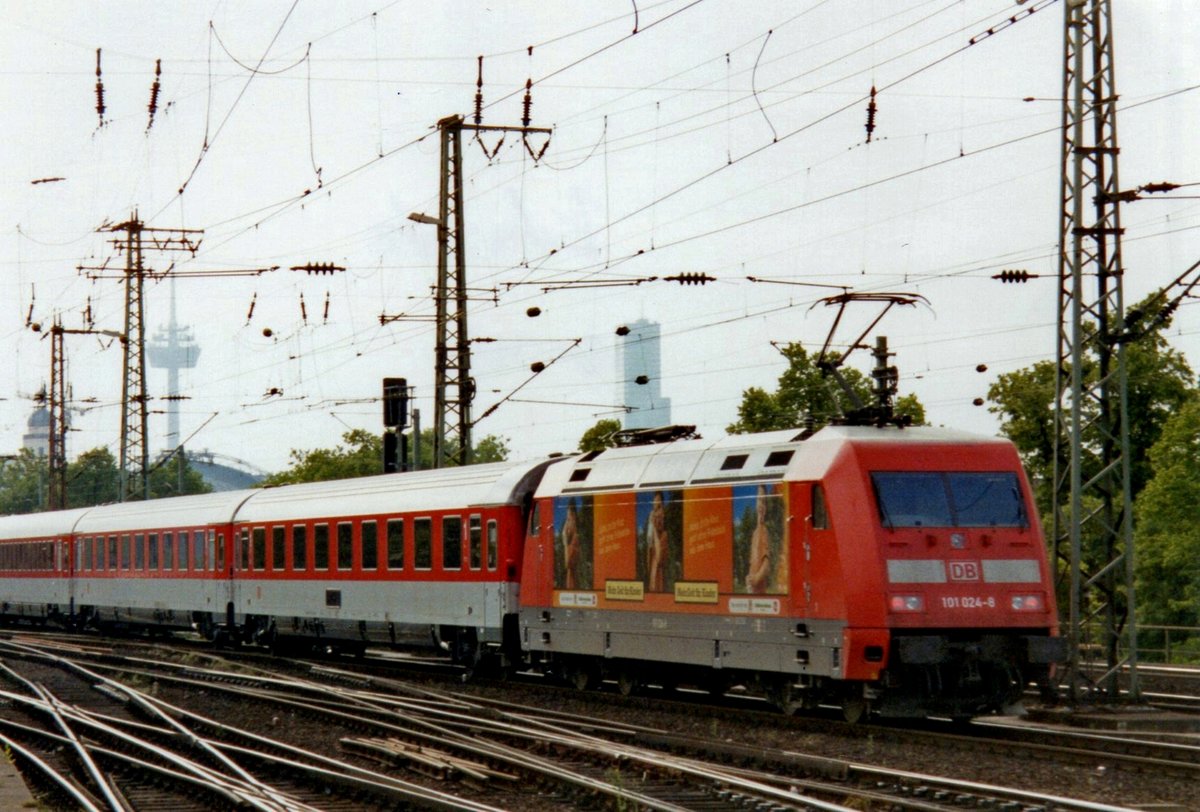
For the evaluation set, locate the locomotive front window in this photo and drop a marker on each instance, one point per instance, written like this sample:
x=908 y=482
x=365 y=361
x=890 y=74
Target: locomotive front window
x=987 y=500
x=949 y=499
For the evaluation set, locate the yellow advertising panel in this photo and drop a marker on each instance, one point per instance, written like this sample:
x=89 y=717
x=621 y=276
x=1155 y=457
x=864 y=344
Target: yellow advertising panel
x=624 y=590
x=696 y=592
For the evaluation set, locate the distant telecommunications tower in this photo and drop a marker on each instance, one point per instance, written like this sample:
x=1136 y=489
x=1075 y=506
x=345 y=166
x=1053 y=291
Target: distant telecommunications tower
x=173 y=349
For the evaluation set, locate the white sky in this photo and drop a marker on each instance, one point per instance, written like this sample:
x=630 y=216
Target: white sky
x=667 y=115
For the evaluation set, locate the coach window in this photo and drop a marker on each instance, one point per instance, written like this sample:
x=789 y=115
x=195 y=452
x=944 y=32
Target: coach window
x=278 y=546
x=114 y=562
x=136 y=547
x=395 y=544
x=216 y=548
x=492 y=543
x=820 y=513
x=82 y=547
x=451 y=542
x=476 y=538
x=300 y=548
x=345 y=545
x=198 y=550
x=183 y=553
x=260 y=548
x=370 y=545
x=152 y=541
x=168 y=558
x=241 y=549
x=321 y=546
x=423 y=544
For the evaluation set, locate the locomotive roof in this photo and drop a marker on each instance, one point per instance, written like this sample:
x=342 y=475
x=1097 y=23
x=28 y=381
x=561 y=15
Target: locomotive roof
x=788 y=454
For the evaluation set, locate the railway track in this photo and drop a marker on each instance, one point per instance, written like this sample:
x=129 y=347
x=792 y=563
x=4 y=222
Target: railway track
x=398 y=742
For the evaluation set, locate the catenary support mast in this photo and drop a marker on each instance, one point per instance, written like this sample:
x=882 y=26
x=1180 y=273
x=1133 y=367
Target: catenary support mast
x=1092 y=525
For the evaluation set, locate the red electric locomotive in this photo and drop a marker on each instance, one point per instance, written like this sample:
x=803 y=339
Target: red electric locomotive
x=896 y=568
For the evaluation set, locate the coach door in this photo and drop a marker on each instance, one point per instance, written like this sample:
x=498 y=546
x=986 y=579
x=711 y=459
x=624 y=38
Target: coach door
x=221 y=548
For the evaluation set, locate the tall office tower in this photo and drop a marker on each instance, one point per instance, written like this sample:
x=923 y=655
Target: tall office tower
x=641 y=359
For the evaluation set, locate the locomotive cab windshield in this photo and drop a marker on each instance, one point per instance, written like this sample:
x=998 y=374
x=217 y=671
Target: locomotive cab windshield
x=949 y=499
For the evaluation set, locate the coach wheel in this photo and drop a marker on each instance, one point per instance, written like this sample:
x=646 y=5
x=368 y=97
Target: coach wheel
x=627 y=682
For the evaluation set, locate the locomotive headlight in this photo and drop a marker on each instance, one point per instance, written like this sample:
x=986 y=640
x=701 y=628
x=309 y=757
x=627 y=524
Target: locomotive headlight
x=1028 y=603
x=907 y=603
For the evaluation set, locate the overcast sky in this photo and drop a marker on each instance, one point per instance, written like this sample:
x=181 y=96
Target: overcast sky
x=725 y=137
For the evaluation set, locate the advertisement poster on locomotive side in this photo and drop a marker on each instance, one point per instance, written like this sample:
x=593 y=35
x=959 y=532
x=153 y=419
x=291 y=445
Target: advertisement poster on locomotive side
x=760 y=554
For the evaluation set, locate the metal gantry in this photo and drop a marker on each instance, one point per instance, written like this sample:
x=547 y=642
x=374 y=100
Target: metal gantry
x=1092 y=528
x=454 y=388
x=135 y=453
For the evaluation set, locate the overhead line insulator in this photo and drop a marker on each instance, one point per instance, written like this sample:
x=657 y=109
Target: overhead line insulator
x=1015 y=276
x=690 y=278
x=871 y=108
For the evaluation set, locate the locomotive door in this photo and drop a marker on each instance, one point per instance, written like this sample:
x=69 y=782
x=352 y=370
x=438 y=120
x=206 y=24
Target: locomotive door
x=806 y=499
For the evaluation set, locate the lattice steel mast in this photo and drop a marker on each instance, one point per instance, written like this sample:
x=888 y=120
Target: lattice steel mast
x=454 y=388
x=1092 y=528
x=135 y=457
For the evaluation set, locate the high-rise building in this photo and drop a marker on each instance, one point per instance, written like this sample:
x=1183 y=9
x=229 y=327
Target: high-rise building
x=641 y=359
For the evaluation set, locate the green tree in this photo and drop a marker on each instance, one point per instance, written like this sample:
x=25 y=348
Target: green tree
x=176 y=477
x=1167 y=533
x=361 y=454
x=804 y=391
x=92 y=479
x=23 y=483
x=599 y=436
x=490 y=448
x=1159 y=382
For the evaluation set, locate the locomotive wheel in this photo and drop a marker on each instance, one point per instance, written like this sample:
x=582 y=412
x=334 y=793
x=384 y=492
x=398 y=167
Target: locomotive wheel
x=583 y=677
x=783 y=695
x=855 y=709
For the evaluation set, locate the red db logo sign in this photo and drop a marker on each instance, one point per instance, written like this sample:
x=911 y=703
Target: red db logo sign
x=964 y=571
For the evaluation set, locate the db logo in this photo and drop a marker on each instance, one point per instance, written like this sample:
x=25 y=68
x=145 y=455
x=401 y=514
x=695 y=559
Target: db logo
x=964 y=571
